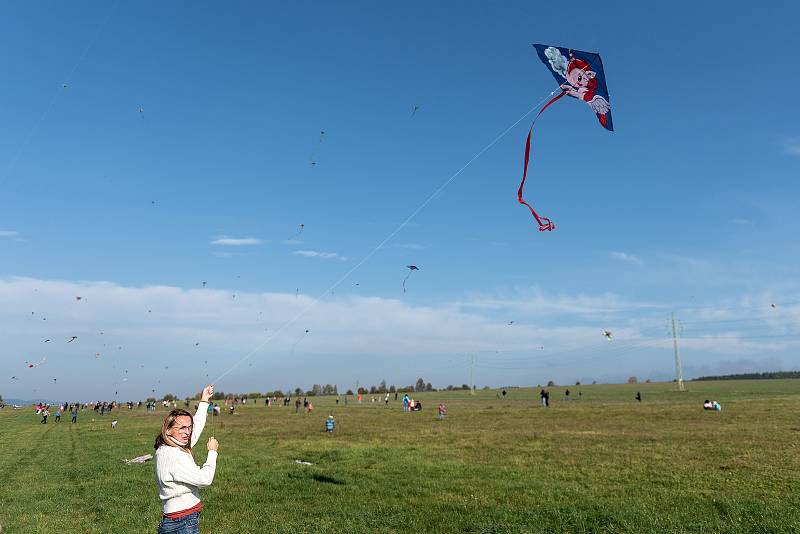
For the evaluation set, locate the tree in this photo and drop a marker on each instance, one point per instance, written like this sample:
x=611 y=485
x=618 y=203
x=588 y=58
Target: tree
x=373 y=390
x=392 y=389
x=298 y=391
x=420 y=386
x=382 y=387
x=218 y=395
x=169 y=397
x=428 y=387
x=647 y=381
x=349 y=392
x=150 y=399
x=450 y=387
x=632 y=380
x=577 y=382
x=550 y=383
x=465 y=387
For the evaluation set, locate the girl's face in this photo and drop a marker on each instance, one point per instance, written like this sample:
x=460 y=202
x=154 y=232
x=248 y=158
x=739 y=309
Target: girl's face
x=181 y=430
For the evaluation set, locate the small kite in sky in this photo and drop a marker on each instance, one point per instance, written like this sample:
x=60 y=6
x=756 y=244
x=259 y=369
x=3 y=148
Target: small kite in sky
x=581 y=76
x=71 y=339
x=64 y=86
x=414 y=111
x=55 y=380
x=141 y=112
x=31 y=365
x=79 y=298
x=773 y=306
x=510 y=323
x=14 y=378
x=411 y=269
x=313 y=158
x=607 y=334
x=197 y=344
x=46 y=340
x=204 y=285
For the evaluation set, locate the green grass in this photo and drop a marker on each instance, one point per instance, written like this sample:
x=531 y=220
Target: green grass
x=601 y=464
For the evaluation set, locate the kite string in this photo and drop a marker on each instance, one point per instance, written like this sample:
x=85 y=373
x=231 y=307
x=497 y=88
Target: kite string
x=380 y=245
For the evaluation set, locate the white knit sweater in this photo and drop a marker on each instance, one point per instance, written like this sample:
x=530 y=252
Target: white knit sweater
x=179 y=479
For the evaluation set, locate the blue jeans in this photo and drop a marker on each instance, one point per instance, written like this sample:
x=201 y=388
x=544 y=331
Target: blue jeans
x=188 y=524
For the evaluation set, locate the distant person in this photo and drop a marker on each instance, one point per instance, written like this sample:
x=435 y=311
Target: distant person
x=337 y=400
x=45 y=412
x=346 y=401
x=179 y=478
x=442 y=409
x=329 y=424
x=210 y=409
x=543 y=397
x=297 y=406
x=386 y=400
x=411 y=405
x=504 y=393
x=639 y=396
x=58 y=415
x=231 y=409
x=566 y=395
x=74 y=414
x=395 y=395
x=406 y=401
x=310 y=407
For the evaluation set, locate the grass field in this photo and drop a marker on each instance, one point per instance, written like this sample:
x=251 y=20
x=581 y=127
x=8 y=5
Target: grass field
x=600 y=464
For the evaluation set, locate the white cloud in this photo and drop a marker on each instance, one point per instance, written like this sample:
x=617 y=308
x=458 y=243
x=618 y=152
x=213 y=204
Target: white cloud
x=351 y=338
x=629 y=258
x=740 y=222
x=318 y=254
x=792 y=146
x=236 y=241
x=8 y=233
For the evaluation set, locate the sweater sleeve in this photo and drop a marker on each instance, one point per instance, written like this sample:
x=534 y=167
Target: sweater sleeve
x=185 y=471
x=199 y=421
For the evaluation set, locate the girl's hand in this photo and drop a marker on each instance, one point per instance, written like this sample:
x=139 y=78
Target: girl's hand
x=207 y=393
x=213 y=444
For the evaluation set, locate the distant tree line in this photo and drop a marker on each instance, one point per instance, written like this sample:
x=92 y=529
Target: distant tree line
x=753 y=376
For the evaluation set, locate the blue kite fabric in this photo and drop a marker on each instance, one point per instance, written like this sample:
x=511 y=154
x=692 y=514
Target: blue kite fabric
x=579 y=75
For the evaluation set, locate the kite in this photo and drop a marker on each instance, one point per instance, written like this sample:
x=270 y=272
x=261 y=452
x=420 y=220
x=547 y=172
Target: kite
x=71 y=339
x=78 y=298
x=312 y=159
x=414 y=112
x=510 y=323
x=46 y=340
x=14 y=378
x=607 y=334
x=31 y=365
x=773 y=306
x=204 y=285
x=579 y=75
x=141 y=112
x=411 y=269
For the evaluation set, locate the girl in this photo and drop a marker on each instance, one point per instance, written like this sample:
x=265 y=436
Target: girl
x=179 y=478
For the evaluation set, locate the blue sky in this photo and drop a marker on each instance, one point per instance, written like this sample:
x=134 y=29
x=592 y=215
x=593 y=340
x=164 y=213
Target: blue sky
x=689 y=206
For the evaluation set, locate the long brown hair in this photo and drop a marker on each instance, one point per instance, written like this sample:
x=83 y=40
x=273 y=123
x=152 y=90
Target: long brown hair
x=169 y=422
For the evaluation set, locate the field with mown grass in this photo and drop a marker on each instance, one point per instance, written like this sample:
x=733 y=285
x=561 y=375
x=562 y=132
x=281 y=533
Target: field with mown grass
x=604 y=463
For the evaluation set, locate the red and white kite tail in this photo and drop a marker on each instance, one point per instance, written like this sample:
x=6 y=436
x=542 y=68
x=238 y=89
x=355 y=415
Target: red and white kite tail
x=545 y=224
